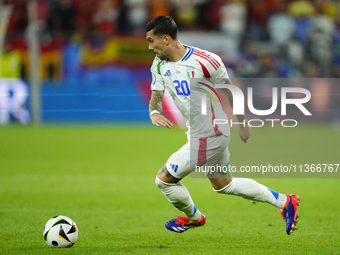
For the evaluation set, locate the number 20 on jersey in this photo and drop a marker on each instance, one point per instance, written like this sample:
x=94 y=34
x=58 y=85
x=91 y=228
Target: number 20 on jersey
x=182 y=87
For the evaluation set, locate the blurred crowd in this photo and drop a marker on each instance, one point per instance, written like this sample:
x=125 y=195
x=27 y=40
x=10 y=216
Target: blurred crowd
x=274 y=38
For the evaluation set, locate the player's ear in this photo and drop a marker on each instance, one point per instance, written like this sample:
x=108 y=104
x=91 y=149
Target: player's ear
x=166 y=39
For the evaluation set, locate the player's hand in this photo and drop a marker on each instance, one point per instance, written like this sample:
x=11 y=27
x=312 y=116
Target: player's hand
x=158 y=120
x=245 y=132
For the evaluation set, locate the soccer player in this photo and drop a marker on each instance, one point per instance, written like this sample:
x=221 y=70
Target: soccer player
x=174 y=66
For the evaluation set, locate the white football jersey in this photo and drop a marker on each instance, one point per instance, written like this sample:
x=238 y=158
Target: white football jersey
x=196 y=64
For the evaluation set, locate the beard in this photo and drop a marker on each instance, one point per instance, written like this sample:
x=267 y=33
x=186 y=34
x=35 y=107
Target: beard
x=162 y=56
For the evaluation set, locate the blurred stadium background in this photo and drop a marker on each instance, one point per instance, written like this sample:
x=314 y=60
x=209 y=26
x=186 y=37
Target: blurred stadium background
x=87 y=60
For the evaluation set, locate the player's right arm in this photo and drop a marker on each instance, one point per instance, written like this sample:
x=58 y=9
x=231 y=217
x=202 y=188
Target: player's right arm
x=155 y=105
x=155 y=109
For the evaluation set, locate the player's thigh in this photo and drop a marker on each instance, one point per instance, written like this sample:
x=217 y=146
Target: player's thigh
x=219 y=161
x=210 y=151
x=217 y=151
x=178 y=164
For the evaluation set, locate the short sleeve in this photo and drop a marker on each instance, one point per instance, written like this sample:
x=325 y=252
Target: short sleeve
x=212 y=66
x=157 y=81
x=219 y=75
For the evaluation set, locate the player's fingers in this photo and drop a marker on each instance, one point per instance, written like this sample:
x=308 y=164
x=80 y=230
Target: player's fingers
x=162 y=123
x=244 y=139
x=159 y=120
x=168 y=124
x=156 y=124
x=156 y=120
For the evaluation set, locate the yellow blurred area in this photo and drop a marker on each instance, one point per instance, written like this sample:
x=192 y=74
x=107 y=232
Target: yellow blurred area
x=10 y=64
x=118 y=50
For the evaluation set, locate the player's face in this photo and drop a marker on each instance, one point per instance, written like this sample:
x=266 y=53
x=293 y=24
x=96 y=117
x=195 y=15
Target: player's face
x=157 y=45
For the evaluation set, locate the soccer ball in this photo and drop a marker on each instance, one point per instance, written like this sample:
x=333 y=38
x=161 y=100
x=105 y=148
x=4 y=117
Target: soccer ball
x=60 y=231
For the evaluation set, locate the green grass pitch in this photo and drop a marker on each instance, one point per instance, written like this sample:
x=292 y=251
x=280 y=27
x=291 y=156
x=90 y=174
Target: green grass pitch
x=103 y=178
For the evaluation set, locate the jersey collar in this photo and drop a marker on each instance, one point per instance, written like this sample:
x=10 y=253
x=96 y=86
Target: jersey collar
x=188 y=53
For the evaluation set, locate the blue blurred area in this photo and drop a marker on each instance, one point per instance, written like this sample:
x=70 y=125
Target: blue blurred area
x=106 y=93
x=90 y=100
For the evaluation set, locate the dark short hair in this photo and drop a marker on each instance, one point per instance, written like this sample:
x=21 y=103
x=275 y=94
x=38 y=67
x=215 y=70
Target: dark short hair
x=163 y=25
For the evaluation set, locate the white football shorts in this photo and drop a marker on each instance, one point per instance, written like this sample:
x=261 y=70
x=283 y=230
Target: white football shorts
x=207 y=151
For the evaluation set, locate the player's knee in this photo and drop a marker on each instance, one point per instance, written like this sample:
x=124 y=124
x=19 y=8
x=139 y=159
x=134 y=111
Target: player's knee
x=160 y=184
x=220 y=184
x=166 y=177
x=218 y=190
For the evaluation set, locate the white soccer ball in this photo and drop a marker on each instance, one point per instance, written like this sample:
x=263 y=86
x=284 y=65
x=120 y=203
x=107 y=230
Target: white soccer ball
x=60 y=231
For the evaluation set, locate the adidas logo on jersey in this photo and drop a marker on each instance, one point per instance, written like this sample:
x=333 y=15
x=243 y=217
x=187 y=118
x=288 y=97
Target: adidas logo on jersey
x=168 y=73
x=174 y=167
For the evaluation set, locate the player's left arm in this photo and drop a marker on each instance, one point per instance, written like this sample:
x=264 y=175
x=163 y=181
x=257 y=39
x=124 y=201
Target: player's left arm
x=218 y=74
x=245 y=130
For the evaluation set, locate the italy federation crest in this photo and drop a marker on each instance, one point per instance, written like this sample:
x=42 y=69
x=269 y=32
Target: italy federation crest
x=190 y=72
